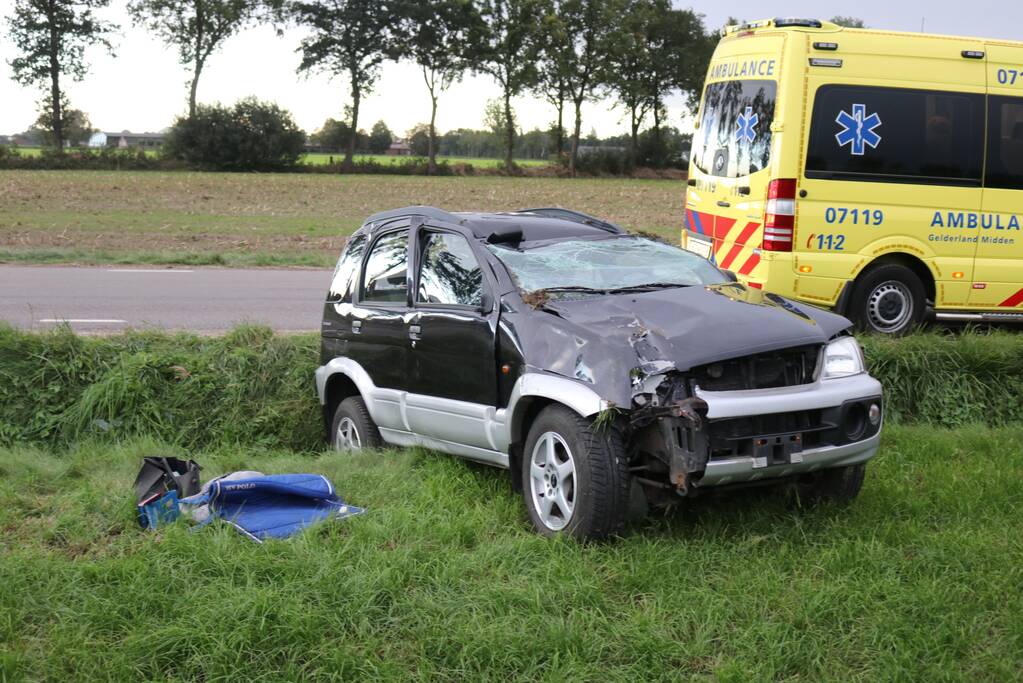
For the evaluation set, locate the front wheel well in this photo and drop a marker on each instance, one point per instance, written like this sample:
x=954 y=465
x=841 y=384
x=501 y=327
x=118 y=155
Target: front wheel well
x=914 y=263
x=522 y=419
x=339 y=387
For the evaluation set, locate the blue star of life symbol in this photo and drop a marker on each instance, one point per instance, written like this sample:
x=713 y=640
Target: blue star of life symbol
x=858 y=129
x=746 y=126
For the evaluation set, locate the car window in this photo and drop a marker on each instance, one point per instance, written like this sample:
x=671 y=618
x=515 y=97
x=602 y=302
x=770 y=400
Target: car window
x=1005 y=143
x=896 y=135
x=386 y=274
x=449 y=272
x=614 y=263
x=342 y=285
x=734 y=137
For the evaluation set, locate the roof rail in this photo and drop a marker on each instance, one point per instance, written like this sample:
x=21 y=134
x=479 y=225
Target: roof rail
x=575 y=217
x=428 y=211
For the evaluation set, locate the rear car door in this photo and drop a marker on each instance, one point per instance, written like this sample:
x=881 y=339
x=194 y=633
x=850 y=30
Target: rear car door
x=378 y=334
x=998 y=269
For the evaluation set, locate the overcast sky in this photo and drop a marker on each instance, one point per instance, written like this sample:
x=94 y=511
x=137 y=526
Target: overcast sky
x=143 y=87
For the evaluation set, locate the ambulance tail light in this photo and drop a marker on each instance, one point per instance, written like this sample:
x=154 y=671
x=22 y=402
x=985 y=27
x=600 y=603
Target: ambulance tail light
x=779 y=218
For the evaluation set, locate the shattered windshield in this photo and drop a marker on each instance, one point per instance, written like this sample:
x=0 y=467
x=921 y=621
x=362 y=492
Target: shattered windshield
x=617 y=263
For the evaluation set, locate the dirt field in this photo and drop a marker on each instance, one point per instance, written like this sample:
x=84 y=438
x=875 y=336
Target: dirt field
x=274 y=219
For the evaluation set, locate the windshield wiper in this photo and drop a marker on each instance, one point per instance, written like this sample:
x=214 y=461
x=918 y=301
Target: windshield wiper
x=649 y=286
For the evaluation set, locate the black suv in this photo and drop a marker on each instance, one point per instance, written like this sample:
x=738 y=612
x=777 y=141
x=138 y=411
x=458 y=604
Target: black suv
x=605 y=370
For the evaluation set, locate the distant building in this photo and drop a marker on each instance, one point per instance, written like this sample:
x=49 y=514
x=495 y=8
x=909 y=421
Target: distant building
x=5 y=139
x=127 y=140
x=398 y=149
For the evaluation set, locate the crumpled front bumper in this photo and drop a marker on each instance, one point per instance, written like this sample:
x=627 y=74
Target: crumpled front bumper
x=779 y=452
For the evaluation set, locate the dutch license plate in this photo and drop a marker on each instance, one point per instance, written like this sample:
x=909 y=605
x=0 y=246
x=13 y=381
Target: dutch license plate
x=698 y=247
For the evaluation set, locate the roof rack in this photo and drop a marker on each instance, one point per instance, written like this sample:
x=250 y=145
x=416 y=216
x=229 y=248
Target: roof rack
x=428 y=211
x=575 y=217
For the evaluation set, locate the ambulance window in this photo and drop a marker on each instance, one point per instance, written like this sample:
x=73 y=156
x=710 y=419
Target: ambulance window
x=1005 y=143
x=734 y=137
x=896 y=135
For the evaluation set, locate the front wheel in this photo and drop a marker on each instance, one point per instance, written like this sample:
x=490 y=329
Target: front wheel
x=888 y=299
x=352 y=428
x=839 y=484
x=575 y=476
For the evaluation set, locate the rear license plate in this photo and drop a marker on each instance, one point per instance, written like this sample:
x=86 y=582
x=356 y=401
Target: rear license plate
x=698 y=247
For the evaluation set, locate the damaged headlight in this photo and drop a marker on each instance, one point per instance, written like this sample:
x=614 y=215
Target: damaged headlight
x=842 y=358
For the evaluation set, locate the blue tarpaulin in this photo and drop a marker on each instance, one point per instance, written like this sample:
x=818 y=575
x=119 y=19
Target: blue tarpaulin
x=274 y=505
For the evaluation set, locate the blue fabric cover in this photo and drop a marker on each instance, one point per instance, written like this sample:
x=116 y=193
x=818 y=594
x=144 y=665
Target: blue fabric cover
x=276 y=505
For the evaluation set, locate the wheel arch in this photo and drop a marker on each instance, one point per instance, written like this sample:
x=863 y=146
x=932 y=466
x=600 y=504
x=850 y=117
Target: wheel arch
x=914 y=263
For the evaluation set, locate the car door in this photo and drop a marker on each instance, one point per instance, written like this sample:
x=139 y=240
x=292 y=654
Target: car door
x=453 y=379
x=378 y=338
x=998 y=270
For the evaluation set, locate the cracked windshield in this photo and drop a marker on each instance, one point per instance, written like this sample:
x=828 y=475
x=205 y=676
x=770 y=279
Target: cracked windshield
x=606 y=264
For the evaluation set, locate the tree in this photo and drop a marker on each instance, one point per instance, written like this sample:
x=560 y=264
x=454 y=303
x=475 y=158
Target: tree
x=632 y=63
x=507 y=51
x=848 y=22
x=198 y=27
x=380 y=138
x=588 y=27
x=439 y=36
x=348 y=38
x=552 y=73
x=51 y=37
x=332 y=135
x=419 y=139
x=251 y=135
x=75 y=125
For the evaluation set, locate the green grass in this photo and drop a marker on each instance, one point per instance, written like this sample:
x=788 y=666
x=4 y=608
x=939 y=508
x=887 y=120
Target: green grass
x=918 y=580
x=279 y=218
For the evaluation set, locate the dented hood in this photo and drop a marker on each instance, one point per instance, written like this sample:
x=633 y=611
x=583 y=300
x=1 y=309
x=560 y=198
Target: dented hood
x=609 y=341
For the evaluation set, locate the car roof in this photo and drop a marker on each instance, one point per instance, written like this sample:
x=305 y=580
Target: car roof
x=534 y=224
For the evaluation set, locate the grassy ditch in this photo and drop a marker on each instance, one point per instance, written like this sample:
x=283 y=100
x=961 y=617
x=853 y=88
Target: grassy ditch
x=251 y=387
x=441 y=580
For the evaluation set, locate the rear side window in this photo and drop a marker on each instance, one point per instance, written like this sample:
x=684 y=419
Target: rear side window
x=449 y=273
x=386 y=274
x=1005 y=143
x=896 y=135
x=342 y=286
x=734 y=137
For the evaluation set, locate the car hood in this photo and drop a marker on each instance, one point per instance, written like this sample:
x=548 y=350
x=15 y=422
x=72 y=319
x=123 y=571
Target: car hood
x=610 y=341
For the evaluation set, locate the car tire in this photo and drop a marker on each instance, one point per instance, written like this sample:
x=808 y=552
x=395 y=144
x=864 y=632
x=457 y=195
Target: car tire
x=839 y=484
x=888 y=299
x=580 y=485
x=352 y=428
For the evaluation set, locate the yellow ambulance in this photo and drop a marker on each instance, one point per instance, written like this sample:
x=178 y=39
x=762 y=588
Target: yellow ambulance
x=874 y=172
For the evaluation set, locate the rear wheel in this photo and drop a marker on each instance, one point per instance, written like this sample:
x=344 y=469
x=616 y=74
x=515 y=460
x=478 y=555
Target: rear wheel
x=352 y=428
x=575 y=476
x=888 y=299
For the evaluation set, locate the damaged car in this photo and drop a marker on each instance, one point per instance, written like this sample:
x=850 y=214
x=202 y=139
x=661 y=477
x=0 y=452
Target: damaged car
x=606 y=371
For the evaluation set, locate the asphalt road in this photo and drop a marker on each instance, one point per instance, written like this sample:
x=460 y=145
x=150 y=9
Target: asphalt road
x=110 y=299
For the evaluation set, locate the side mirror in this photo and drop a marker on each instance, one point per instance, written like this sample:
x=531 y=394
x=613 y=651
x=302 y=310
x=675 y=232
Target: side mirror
x=732 y=277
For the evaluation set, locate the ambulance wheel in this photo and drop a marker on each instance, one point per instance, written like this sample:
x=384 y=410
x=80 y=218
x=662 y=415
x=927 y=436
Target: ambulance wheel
x=888 y=299
x=352 y=428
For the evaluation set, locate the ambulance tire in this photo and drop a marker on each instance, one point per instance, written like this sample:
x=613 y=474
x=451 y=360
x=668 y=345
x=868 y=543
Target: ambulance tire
x=888 y=299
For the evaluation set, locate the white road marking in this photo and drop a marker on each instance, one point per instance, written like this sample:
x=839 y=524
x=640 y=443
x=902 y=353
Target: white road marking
x=149 y=270
x=83 y=320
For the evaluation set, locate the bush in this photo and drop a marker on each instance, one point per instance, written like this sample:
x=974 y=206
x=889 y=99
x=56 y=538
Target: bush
x=104 y=159
x=254 y=388
x=250 y=136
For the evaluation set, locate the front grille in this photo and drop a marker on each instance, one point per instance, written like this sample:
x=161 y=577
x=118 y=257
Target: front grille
x=782 y=368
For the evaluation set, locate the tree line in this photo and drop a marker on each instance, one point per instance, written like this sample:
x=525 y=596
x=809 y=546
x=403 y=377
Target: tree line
x=567 y=52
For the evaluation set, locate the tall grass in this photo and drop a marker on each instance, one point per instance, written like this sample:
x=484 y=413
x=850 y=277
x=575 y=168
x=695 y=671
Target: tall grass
x=918 y=580
x=252 y=387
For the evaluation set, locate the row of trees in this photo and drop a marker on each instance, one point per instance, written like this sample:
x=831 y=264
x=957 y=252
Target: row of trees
x=566 y=51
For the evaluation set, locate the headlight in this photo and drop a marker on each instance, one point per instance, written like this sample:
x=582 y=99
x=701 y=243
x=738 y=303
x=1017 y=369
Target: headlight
x=842 y=358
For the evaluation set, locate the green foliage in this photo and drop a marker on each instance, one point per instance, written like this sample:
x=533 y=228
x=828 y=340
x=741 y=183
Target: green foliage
x=247 y=387
x=848 y=22
x=441 y=580
x=380 y=138
x=85 y=159
x=251 y=135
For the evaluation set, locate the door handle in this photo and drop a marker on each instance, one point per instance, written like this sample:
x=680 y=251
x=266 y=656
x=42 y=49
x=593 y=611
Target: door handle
x=356 y=327
x=722 y=203
x=414 y=331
